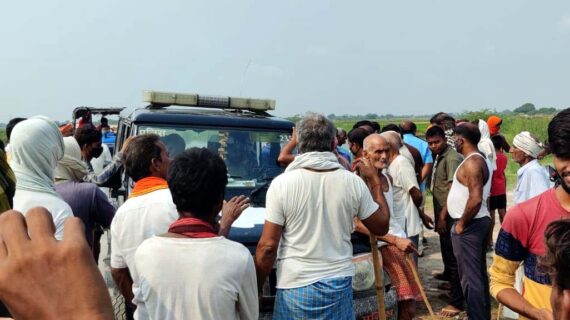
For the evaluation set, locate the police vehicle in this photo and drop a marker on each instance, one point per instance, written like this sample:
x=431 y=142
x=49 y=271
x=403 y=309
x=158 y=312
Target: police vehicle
x=249 y=140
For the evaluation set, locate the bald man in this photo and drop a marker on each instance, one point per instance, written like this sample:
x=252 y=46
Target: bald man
x=407 y=194
x=394 y=246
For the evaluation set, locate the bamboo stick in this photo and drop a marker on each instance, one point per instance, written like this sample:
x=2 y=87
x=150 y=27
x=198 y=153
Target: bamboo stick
x=378 y=277
x=419 y=282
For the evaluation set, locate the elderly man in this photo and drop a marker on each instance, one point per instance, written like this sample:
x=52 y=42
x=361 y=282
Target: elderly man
x=521 y=236
x=305 y=207
x=532 y=178
x=467 y=204
x=394 y=246
x=407 y=195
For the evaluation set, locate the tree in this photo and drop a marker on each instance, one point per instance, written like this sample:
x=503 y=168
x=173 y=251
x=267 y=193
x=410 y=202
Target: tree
x=525 y=108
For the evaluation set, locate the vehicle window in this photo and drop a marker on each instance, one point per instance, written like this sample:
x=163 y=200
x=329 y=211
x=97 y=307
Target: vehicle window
x=250 y=155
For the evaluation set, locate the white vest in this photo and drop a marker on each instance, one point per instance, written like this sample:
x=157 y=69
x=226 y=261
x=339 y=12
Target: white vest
x=458 y=195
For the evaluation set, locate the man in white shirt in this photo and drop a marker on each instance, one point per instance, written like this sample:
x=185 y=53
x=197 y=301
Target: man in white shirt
x=308 y=224
x=191 y=272
x=407 y=194
x=532 y=178
x=37 y=146
x=149 y=210
x=467 y=204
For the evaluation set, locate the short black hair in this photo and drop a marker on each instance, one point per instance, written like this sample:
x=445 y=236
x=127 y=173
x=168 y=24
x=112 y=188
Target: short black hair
x=138 y=155
x=357 y=135
x=556 y=261
x=408 y=127
x=373 y=124
x=10 y=126
x=392 y=127
x=559 y=134
x=87 y=135
x=435 y=131
x=174 y=143
x=442 y=118
x=197 y=179
x=498 y=141
x=469 y=132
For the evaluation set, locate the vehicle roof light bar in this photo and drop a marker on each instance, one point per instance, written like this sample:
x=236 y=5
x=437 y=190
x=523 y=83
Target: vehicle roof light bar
x=162 y=99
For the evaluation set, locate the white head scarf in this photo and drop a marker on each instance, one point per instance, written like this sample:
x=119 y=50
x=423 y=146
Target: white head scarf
x=528 y=143
x=485 y=145
x=35 y=145
x=71 y=167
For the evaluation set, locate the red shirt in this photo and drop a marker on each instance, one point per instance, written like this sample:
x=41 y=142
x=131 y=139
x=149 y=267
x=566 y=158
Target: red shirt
x=499 y=182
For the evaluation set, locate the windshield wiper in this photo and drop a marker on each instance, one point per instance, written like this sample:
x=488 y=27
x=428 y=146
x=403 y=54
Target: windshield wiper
x=257 y=189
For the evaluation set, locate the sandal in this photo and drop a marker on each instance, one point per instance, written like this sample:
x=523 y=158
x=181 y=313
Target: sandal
x=441 y=276
x=446 y=286
x=449 y=312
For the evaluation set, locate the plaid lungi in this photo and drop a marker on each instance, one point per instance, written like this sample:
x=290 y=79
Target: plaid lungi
x=325 y=299
x=400 y=273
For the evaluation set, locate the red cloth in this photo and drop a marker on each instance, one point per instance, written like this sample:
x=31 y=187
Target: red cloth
x=499 y=181
x=148 y=185
x=193 y=228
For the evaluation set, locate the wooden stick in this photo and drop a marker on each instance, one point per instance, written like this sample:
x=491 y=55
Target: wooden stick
x=378 y=277
x=418 y=281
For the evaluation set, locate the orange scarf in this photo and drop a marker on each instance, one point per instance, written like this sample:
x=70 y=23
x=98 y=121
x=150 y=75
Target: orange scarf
x=148 y=185
x=493 y=122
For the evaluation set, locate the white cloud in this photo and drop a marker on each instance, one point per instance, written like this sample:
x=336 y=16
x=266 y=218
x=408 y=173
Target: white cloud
x=564 y=24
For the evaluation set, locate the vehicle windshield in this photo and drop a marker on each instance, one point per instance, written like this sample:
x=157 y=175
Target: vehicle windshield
x=250 y=154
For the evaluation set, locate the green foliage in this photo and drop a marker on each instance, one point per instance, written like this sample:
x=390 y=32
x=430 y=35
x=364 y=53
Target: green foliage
x=525 y=108
x=3 y=135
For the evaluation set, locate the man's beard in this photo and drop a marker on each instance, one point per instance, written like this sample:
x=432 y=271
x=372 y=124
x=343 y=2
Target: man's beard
x=562 y=182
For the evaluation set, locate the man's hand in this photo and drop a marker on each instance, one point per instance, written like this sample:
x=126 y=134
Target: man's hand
x=367 y=172
x=544 y=314
x=459 y=227
x=42 y=278
x=231 y=211
x=427 y=220
x=406 y=245
x=441 y=226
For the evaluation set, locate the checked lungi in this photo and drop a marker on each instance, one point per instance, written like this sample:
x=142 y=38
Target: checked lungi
x=325 y=299
x=400 y=273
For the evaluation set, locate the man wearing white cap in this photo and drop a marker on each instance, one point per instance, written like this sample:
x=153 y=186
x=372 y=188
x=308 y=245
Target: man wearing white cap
x=532 y=178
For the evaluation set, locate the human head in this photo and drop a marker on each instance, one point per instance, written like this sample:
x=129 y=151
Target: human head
x=395 y=141
x=356 y=140
x=146 y=156
x=559 y=146
x=466 y=136
x=525 y=148
x=36 y=146
x=494 y=123
x=378 y=150
x=371 y=126
x=556 y=263
x=70 y=167
x=197 y=179
x=10 y=126
x=174 y=143
x=89 y=140
x=498 y=141
x=315 y=132
x=392 y=127
x=443 y=120
x=436 y=140
x=408 y=127
x=341 y=136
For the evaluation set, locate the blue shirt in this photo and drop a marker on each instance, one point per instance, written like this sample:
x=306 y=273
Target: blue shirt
x=344 y=153
x=424 y=150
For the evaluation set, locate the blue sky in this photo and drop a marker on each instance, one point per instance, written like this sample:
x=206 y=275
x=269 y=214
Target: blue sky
x=399 y=57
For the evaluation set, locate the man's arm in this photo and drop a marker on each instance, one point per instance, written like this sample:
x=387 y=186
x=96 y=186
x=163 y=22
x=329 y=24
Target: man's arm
x=266 y=251
x=474 y=181
x=122 y=278
x=379 y=222
x=417 y=196
x=110 y=170
x=231 y=211
x=286 y=155
x=426 y=171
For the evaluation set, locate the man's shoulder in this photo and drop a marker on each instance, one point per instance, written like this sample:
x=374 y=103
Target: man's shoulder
x=451 y=155
x=533 y=205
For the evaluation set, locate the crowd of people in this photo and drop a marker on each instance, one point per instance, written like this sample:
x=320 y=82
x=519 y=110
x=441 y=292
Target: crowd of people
x=171 y=258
